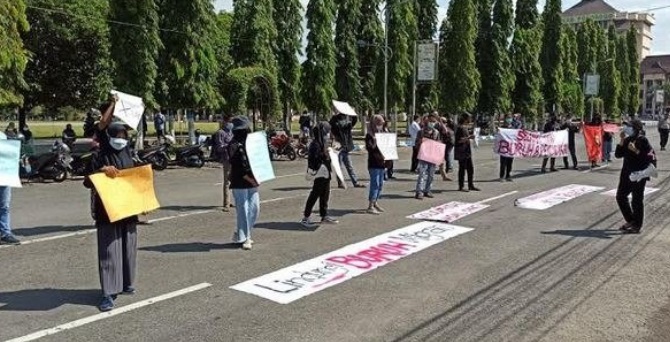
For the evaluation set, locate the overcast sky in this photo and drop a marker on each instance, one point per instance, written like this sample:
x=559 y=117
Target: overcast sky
x=661 y=31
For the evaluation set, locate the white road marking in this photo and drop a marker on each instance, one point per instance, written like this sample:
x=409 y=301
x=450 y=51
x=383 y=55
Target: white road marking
x=497 y=197
x=597 y=168
x=115 y=312
x=55 y=237
x=277 y=177
x=191 y=213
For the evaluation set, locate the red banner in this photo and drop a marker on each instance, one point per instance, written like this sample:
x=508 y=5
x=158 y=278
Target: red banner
x=593 y=137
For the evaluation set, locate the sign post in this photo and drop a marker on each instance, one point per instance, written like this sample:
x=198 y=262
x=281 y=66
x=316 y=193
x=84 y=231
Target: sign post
x=425 y=66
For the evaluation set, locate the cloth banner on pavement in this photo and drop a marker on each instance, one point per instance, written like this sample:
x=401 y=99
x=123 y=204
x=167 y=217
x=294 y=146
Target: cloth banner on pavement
x=547 y=199
x=519 y=143
x=432 y=151
x=335 y=164
x=294 y=282
x=449 y=212
x=129 y=108
x=611 y=128
x=130 y=193
x=258 y=155
x=388 y=145
x=647 y=191
x=344 y=108
x=10 y=156
x=593 y=138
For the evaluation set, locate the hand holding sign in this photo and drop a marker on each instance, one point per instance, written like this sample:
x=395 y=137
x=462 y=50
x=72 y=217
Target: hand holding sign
x=432 y=151
x=387 y=144
x=128 y=108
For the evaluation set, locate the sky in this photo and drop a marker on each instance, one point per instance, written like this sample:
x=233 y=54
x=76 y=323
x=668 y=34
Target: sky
x=660 y=32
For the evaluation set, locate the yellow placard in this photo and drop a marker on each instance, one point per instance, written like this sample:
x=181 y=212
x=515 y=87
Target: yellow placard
x=130 y=193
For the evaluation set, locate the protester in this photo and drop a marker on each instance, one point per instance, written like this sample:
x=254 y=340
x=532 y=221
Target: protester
x=376 y=164
x=664 y=128
x=597 y=121
x=413 y=131
x=90 y=122
x=318 y=162
x=447 y=136
x=199 y=138
x=305 y=124
x=551 y=125
x=222 y=140
x=342 y=126
x=389 y=163
x=463 y=153
x=6 y=235
x=517 y=123
x=69 y=136
x=243 y=184
x=637 y=155
x=573 y=129
x=11 y=131
x=159 y=125
x=117 y=241
x=608 y=141
x=506 y=163
x=426 y=170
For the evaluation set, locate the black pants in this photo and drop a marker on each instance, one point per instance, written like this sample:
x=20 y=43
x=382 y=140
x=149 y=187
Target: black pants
x=573 y=155
x=632 y=214
x=466 y=165
x=117 y=255
x=506 y=167
x=415 y=161
x=544 y=163
x=320 y=191
x=664 y=137
x=389 y=169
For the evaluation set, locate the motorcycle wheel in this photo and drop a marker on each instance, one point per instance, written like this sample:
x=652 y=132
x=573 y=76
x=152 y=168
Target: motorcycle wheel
x=302 y=152
x=159 y=163
x=199 y=163
x=60 y=174
x=290 y=153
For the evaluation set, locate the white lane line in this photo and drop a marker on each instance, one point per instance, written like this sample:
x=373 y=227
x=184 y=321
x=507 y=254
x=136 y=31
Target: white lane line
x=191 y=213
x=597 y=168
x=55 y=237
x=277 y=177
x=115 y=312
x=497 y=197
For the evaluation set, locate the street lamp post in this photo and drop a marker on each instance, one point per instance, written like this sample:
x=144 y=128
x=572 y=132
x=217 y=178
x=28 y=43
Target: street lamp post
x=594 y=73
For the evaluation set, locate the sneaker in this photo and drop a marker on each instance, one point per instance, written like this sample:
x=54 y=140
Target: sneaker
x=473 y=188
x=378 y=208
x=307 y=223
x=554 y=170
x=359 y=185
x=509 y=179
x=329 y=220
x=428 y=195
x=463 y=190
x=418 y=196
x=128 y=291
x=9 y=240
x=107 y=304
x=372 y=211
x=247 y=245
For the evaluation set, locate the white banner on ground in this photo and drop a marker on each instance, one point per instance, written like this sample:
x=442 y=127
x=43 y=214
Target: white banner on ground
x=449 y=212
x=647 y=191
x=547 y=199
x=308 y=277
x=519 y=143
x=344 y=108
x=129 y=108
x=335 y=164
x=388 y=145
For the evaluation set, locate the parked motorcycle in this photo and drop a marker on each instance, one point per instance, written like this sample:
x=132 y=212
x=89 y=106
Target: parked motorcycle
x=188 y=156
x=156 y=156
x=280 y=145
x=44 y=166
x=302 y=147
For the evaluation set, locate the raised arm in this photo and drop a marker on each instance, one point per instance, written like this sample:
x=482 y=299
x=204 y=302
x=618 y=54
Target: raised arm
x=107 y=115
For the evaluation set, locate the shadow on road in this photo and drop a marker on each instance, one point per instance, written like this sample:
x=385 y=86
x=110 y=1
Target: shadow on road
x=284 y=226
x=601 y=234
x=46 y=299
x=293 y=188
x=189 y=207
x=190 y=247
x=43 y=230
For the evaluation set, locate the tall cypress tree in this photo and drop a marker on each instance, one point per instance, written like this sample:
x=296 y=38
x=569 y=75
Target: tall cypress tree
x=443 y=63
x=256 y=41
x=528 y=73
x=572 y=101
x=460 y=73
x=586 y=50
x=634 y=72
x=318 y=81
x=401 y=36
x=370 y=55
x=347 y=81
x=427 y=28
x=287 y=16
x=136 y=49
x=14 y=58
x=622 y=66
x=551 y=54
x=610 y=76
x=526 y=14
x=483 y=54
x=502 y=75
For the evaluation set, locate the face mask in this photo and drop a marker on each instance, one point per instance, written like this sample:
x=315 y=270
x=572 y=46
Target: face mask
x=118 y=143
x=509 y=120
x=229 y=126
x=327 y=137
x=379 y=128
x=431 y=124
x=628 y=131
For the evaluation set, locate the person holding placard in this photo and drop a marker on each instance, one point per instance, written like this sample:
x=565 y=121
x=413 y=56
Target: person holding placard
x=319 y=166
x=552 y=125
x=447 y=135
x=117 y=241
x=413 y=131
x=389 y=163
x=376 y=164
x=6 y=235
x=426 y=170
x=342 y=126
x=463 y=153
x=243 y=184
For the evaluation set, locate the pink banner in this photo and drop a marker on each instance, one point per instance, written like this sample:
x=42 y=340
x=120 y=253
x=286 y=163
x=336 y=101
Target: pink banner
x=432 y=151
x=611 y=128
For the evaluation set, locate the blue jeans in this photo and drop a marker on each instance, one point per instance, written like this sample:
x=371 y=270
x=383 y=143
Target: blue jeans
x=345 y=161
x=425 y=180
x=376 y=183
x=607 y=150
x=247 y=206
x=5 y=199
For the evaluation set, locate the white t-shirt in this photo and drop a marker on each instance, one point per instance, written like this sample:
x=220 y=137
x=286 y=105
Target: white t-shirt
x=414 y=130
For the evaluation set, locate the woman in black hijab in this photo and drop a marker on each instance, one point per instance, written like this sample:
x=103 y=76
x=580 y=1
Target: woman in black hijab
x=117 y=241
x=318 y=162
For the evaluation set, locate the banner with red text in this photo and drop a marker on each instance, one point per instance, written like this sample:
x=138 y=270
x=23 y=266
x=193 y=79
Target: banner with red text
x=593 y=139
x=550 y=198
x=611 y=128
x=519 y=143
x=449 y=212
x=294 y=282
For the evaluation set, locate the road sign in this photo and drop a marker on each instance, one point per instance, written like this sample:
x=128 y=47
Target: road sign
x=592 y=85
x=426 y=62
x=660 y=96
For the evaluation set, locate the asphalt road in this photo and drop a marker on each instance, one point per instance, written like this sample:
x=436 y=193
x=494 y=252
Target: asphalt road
x=562 y=274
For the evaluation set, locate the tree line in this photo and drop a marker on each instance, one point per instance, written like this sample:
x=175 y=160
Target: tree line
x=181 y=54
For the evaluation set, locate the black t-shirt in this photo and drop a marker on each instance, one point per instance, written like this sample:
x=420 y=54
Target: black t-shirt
x=375 y=157
x=239 y=166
